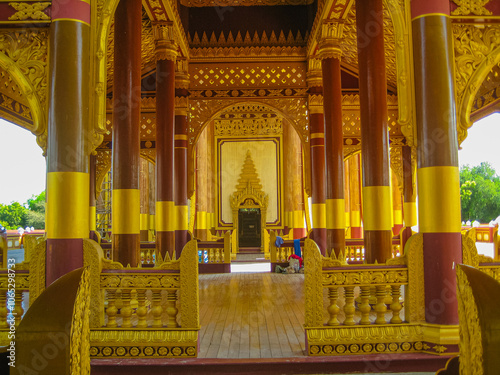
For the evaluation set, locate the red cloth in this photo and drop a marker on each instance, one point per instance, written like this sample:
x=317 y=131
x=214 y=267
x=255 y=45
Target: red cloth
x=296 y=257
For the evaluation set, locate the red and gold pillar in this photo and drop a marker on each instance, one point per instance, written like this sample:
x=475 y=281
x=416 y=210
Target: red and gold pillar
x=166 y=53
x=355 y=196
x=437 y=169
x=409 y=195
x=334 y=145
x=67 y=217
x=92 y=200
x=125 y=209
x=144 y=188
x=317 y=142
x=181 y=144
x=377 y=223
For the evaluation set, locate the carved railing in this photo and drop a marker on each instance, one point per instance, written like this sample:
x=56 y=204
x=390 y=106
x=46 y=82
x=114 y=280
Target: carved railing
x=483 y=233
x=215 y=256
x=145 y=312
x=148 y=253
x=14 y=300
x=358 y=309
x=355 y=249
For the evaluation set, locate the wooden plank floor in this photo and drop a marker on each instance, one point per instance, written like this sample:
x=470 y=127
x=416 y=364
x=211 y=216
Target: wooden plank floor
x=251 y=315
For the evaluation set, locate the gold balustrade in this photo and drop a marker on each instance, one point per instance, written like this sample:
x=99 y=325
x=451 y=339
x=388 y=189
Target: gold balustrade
x=282 y=253
x=210 y=252
x=146 y=312
x=357 y=309
x=14 y=296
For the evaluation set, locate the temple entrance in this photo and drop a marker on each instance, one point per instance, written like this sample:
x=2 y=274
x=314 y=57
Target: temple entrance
x=249 y=227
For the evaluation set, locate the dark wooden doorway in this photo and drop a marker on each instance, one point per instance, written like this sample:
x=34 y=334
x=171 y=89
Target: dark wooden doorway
x=249 y=227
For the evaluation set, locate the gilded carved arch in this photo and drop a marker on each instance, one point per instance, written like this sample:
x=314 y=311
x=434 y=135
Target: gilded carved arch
x=477 y=51
x=23 y=54
x=203 y=111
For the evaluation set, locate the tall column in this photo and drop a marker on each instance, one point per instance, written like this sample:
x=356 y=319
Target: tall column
x=317 y=142
x=67 y=218
x=144 y=188
x=397 y=207
x=166 y=53
x=125 y=209
x=152 y=202
x=181 y=143
x=92 y=199
x=409 y=194
x=347 y=198
x=334 y=144
x=355 y=196
x=201 y=186
x=377 y=223
x=437 y=173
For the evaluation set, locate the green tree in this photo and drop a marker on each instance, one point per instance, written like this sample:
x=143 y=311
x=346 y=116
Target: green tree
x=12 y=216
x=479 y=193
x=35 y=216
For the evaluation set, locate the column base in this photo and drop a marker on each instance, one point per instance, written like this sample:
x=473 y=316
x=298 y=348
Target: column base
x=440 y=339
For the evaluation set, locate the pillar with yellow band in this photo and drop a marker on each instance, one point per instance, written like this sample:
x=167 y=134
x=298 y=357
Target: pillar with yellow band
x=377 y=208
x=437 y=149
x=166 y=215
x=410 y=214
x=125 y=211
x=67 y=205
x=335 y=214
x=318 y=215
x=439 y=212
x=182 y=217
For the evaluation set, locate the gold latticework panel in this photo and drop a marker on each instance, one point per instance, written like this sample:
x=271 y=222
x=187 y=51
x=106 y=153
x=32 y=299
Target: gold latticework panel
x=147 y=127
x=215 y=76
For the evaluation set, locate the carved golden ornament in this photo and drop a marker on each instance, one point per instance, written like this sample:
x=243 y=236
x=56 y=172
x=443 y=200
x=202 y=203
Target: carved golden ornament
x=181 y=105
x=315 y=104
x=189 y=292
x=370 y=339
x=80 y=328
x=248 y=52
x=245 y=127
x=249 y=187
x=471 y=341
x=138 y=281
x=37 y=269
x=247 y=75
x=313 y=287
x=246 y=41
x=92 y=258
x=112 y=343
x=477 y=50
x=202 y=111
x=103 y=165
x=24 y=56
x=490 y=270
x=414 y=250
x=26 y=11
x=396 y=161
x=470 y=256
x=471 y=7
x=329 y=50
x=393 y=276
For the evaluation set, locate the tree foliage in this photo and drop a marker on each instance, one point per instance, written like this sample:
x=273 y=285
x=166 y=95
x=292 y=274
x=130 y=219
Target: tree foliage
x=31 y=214
x=479 y=193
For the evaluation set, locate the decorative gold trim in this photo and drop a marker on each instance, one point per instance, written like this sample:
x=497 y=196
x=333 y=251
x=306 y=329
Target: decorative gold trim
x=136 y=343
x=249 y=127
x=372 y=339
x=477 y=50
x=26 y=11
x=24 y=56
x=471 y=338
x=313 y=287
x=468 y=7
x=415 y=298
x=189 y=293
x=315 y=103
x=92 y=258
x=80 y=328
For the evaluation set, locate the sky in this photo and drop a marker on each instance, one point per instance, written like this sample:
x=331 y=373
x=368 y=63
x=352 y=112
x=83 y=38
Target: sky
x=23 y=165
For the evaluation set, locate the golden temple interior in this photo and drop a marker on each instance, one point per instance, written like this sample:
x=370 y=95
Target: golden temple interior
x=183 y=137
